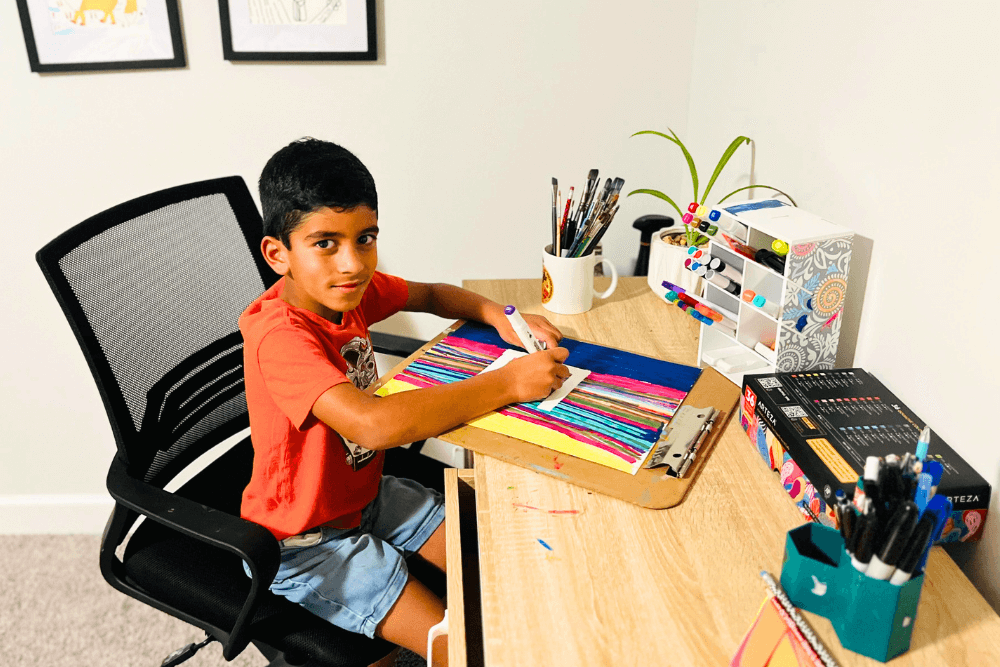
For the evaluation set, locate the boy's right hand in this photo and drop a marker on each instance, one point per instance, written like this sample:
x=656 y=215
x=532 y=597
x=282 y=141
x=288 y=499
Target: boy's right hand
x=534 y=376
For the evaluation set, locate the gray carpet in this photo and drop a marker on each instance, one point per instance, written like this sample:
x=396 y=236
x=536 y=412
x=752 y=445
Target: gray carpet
x=57 y=611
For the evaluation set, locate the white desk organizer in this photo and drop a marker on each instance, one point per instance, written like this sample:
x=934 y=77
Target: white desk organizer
x=803 y=303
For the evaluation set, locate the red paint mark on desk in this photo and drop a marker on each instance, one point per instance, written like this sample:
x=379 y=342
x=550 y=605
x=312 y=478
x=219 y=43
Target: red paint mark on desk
x=539 y=509
x=555 y=461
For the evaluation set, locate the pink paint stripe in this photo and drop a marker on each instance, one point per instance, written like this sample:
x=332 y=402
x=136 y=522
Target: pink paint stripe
x=637 y=385
x=481 y=348
x=410 y=378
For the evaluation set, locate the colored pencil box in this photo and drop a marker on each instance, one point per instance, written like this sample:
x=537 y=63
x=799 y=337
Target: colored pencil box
x=870 y=616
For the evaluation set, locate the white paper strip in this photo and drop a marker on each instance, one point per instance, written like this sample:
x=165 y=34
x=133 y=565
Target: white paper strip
x=577 y=375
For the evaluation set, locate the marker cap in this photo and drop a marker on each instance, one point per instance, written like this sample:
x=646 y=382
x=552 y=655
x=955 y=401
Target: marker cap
x=749 y=295
x=714 y=215
x=687 y=218
x=693 y=207
x=872 y=464
x=702 y=210
x=779 y=247
x=713 y=230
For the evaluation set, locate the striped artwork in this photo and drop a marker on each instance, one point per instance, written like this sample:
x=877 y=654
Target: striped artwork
x=614 y=417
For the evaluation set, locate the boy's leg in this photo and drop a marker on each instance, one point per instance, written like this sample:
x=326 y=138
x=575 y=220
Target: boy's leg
x=409 y=621
x=433 y=550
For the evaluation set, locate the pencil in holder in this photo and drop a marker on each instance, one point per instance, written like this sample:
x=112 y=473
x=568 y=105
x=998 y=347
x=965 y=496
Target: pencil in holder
x=870 y=616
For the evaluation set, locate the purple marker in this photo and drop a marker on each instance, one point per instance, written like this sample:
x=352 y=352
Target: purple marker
x=528 y=340
x=670 y=286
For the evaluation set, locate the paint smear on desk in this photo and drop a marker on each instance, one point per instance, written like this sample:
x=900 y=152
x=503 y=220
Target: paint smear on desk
x=542 y=542
x=539 y=509
x=613 y=418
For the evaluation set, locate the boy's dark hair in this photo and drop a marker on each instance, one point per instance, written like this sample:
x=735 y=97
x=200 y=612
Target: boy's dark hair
x=309 y=174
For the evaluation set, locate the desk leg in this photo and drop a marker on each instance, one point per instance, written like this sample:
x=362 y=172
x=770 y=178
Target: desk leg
x=465 y=635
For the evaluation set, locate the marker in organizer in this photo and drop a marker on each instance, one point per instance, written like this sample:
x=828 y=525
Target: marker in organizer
x=748 y=295
x=722 y=282
x=717 y=265
x=919 y=543
x=714 y=215
x=779 y=247
x=768 y=307
x=670 y=286
x=528 y=340
x=693 y=207
x=894 y=536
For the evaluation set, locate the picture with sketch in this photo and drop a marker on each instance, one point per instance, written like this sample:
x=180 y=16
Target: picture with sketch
x=297 y=12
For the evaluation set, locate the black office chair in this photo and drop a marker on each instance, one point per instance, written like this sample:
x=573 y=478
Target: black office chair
x=153 y=289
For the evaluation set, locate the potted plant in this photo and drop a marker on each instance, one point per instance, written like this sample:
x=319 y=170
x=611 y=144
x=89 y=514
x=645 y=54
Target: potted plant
x=689 y=236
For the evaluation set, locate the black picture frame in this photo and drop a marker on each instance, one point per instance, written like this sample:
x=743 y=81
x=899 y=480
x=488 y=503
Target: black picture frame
x=243 y=40
x=45 y=53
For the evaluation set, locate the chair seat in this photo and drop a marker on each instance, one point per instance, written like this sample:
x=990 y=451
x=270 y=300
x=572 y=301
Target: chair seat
x=159 y=560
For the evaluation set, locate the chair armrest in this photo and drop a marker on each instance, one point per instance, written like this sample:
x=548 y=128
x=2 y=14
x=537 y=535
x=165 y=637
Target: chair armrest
x=396 y=346
x=250 y=541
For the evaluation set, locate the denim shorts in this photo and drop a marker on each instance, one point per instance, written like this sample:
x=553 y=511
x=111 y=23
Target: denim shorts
x=353 y=577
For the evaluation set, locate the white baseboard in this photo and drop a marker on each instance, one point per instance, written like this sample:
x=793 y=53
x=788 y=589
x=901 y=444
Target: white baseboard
x=54 y=514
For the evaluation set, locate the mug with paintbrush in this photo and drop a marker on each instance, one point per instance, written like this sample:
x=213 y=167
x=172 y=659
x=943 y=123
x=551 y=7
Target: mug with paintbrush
x=568 y=262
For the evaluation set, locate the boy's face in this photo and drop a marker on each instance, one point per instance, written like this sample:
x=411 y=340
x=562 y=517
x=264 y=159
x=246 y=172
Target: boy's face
x=330 y=261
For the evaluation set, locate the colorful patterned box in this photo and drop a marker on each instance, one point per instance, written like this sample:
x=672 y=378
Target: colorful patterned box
x=816 y=429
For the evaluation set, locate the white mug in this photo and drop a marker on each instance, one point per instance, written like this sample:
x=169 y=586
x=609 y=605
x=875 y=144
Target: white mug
x=568 y=282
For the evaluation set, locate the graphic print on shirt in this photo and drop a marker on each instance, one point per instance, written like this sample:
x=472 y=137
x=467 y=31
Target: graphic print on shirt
x=361 y=371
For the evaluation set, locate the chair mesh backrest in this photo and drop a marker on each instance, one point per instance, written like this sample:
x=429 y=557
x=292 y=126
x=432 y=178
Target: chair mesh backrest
x=161 y=291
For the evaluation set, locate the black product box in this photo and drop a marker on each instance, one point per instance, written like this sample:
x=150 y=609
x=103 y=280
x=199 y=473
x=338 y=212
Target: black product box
x=817 y=428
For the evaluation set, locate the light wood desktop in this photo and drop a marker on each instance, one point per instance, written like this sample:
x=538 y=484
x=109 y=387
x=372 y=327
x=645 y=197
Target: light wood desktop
x=624 y=585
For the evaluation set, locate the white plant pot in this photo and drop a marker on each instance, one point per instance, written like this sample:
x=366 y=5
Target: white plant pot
x=666 y=262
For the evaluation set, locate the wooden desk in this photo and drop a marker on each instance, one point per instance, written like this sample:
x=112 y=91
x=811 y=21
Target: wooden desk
x=624 y=585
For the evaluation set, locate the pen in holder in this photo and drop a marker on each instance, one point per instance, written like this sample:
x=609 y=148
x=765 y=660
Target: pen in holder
x=872 y=617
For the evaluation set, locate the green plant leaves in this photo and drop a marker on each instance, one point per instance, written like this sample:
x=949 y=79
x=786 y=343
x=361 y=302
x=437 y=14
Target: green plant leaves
x=687 y=156
x=657 y=193
x=737 y=142
x=769 y=187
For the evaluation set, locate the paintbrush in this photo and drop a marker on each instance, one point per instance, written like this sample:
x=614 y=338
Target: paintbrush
x=555 y=212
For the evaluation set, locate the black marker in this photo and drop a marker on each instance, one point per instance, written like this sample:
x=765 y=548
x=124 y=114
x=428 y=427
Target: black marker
x=893 y=540
x=864 y=540
x=915 y=549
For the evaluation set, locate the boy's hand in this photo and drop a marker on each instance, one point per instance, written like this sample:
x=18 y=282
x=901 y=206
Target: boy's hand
x=544 y=330
x=535 y=376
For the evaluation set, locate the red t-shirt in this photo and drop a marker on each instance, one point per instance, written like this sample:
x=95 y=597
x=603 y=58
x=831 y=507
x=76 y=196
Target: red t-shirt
x=304 y=474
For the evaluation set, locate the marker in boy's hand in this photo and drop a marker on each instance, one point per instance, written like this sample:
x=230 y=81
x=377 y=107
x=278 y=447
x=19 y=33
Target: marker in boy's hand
x=539 y=326
x=535 y=376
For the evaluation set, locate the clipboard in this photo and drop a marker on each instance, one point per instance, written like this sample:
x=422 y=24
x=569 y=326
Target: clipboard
x=649 y=487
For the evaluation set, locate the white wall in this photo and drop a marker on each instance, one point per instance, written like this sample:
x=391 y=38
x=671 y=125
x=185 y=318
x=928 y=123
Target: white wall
x=471 y=110
x=883 y=117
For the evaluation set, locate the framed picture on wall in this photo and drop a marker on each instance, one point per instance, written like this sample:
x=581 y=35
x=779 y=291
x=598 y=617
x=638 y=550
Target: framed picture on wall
x=84 y=35
x=298 y=29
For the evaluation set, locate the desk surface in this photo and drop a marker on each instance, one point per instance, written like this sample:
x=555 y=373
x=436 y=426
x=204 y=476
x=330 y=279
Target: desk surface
x=624 y=585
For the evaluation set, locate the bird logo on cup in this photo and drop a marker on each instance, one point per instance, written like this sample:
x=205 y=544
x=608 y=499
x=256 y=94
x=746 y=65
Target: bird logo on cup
x=546 y=286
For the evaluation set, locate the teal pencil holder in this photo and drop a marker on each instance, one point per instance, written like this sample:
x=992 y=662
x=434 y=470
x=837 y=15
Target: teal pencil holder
x=870 y=616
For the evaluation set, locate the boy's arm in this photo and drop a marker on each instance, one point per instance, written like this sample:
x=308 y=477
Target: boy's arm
x=455 y=303
x=398 y=419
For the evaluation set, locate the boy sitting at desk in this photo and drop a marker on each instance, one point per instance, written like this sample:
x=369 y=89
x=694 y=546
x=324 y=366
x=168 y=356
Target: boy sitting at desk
x=345 y=530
